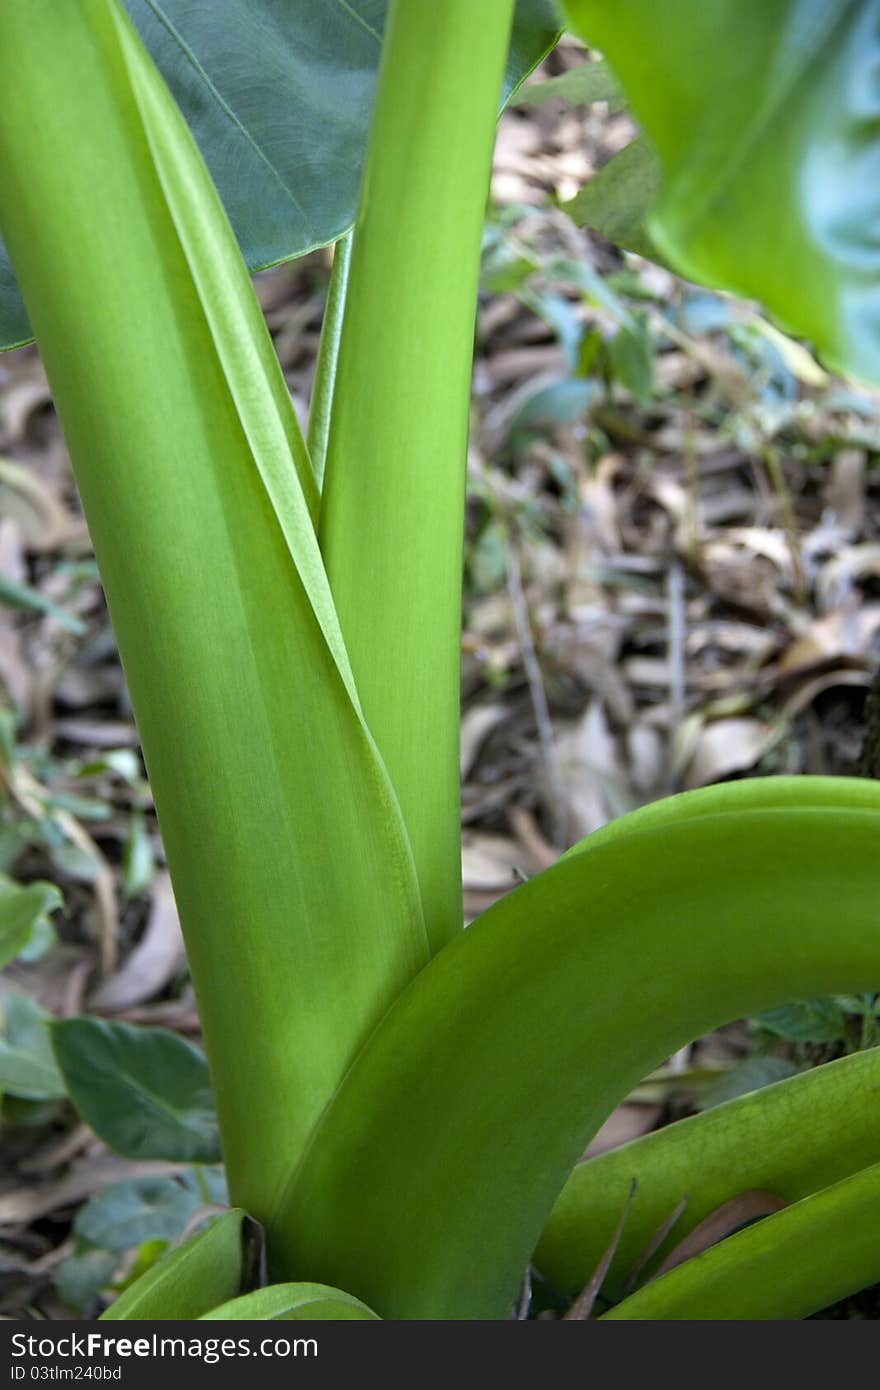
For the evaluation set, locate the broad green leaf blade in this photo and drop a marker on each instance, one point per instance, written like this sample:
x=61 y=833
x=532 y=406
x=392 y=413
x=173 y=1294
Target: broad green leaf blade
x=765 y=120
x=145 y=1091
x=278 y=95
x=392 y=509
x=22 y=908
x=786 y=1266
x=189 y=1281
x=470 y=1105
x=618 y=198
x=27 y=1066
x=294 y=1302
x=791 y=1138
x=291 y=867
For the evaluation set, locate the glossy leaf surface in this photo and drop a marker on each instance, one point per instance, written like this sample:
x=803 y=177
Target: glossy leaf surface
x=471 y=1103
x=301 y=924
x=765 y=117
x=278 y=95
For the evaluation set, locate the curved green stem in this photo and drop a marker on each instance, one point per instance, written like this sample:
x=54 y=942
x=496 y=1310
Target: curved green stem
x=428 y=1183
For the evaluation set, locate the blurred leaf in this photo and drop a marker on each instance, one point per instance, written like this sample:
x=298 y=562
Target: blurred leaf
x=579 y=86
x=748 y=1075
x=74 y=861
x=560 y=404
x=27 y=1066
x=765 y=120
x=631 y=355
x=144 y=1091
x=814 y=1020
x=23 y=910
x=81 y=1277
x=278 y=94
x=138 y=860
x=617 y=199
x=31 y=600
x=138 y=1209
x=487 y=560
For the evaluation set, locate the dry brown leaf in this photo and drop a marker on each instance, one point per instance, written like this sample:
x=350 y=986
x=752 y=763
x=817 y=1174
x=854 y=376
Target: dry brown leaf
x=726 y=746
x=157 y=958
x=729 y=1217
x=625 y=1123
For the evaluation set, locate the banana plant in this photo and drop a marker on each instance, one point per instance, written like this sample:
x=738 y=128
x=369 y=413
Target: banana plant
x=402 y=1104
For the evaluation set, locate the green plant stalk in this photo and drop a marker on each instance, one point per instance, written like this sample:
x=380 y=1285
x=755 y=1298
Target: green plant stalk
x=393 y=502
x=788 y=1265
x=792 y=1138
x=321 y=404
x=432 y=1174
x=290 y=864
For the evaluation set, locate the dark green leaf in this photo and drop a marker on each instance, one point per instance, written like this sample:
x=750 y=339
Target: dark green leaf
x=27 y=1067
x=617 y=199
x=278 y=94
x=746 y=1076
x=144 y=1091
x=814 y=1020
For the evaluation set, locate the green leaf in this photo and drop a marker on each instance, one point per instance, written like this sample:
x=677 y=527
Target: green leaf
x=791 y=1138
x=138 y=1209
x=23 y=908
x=144 y=1091
x=201 y=510
x=470 y=1104
x=579 y=86
x=396 y=453
x=788 y=1265
x=289 y=1302
x=765 y=121
x=278 y=95
x=751 y=1074
x=812 y=1020
x=631 y=355
x=138 y=860
x=27 y=1066
x=32 y=601
x=617 y=199
x=82 y=1276
x=190 y=1280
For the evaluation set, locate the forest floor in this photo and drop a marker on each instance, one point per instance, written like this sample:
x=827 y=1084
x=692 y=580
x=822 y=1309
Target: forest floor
x=672 y=578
